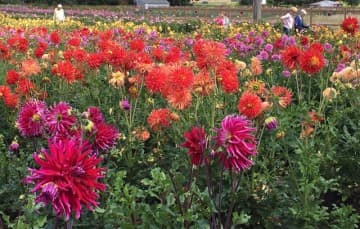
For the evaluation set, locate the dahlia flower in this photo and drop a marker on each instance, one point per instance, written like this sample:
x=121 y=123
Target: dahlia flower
x=236 y=142
x=249 y=105
x=105 y=136
x=67 y=178
x=31 y=118
x=59 y=119
x=350 y=25
x=195 y=142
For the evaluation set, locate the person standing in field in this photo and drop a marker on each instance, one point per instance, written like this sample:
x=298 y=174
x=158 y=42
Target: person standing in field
x=59 y=14
x=299 y=21
x=288 y=20
x=226 y=21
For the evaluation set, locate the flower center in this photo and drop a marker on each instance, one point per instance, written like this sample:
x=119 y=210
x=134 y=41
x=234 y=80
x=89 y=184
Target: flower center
x=35 y=118
x=314 y=61
x=78 y=171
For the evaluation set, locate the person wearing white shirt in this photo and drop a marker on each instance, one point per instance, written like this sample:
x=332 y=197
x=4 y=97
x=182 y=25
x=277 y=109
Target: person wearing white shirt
x=288 y=20
x=226 y=21
x=59 y=14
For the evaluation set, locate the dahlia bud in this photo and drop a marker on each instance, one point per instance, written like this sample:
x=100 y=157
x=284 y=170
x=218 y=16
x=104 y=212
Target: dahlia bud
x=280 y=134
x=286 y=73
x=271 y=123
x=89 y=126
x=125 y=105
x=14 y=146
x=175 y=117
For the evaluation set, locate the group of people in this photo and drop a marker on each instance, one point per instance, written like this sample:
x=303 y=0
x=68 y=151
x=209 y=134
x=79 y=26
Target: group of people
x=293 y=20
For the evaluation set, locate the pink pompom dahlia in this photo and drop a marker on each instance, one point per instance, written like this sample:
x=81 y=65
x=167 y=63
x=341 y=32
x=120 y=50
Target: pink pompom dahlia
x=67 y=178
x=236 y=142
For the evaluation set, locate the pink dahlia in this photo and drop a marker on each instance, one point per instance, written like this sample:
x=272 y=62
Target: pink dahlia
x=67 y=178
x=60 y=119
x=236 y=142
x=94 y=114
x=31 y=118
x=195 y=142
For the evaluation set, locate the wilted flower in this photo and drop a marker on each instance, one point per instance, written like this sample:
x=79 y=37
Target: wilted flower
x=117 y=79
x=141 y=134
x=330 y=93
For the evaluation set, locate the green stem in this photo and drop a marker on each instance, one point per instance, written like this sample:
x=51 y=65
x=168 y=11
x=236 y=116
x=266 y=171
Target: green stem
x=298 y=88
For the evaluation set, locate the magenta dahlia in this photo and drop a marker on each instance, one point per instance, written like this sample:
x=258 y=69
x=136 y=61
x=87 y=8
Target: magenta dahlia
x=105 y=136
x=195 y=142
x=236 y=142
x=67 y=178
x=31 y=118
x=60 y=119
x=94 y=114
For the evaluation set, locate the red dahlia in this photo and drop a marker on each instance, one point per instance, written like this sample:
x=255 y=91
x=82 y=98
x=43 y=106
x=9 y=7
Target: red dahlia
x=67 y=178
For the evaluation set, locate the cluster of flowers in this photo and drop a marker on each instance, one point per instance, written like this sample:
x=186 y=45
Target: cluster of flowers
x=68 y=176
x=233 y=144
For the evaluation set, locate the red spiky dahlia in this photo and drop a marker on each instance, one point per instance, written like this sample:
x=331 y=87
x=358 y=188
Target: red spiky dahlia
x=67 y=178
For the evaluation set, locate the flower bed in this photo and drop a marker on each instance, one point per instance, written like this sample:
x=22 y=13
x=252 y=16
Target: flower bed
x=134 y=125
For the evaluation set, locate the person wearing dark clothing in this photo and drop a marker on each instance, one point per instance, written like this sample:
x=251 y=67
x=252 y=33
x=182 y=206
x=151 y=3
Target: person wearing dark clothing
x=299 y=21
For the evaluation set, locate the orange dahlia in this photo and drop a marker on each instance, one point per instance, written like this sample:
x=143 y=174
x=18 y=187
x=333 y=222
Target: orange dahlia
x=290 y=57
x=250 y=105
x=159 y=118
x=311 y=61
x=282 y=94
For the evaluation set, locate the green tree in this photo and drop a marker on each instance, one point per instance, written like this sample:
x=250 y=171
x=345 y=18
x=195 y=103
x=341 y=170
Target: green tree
x=353 y=2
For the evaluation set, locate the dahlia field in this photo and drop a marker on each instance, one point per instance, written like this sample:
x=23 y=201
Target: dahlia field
x=140 y=124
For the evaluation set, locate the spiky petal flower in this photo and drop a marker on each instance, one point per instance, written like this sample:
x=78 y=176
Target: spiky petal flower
x=195 y=142
x=350 y=25
x=290 y=57
x=67 y=178
x=311 y=61
x=105 y=136
x=159 y=119
x=236 y=142
x=31 y=118
x=60 y=119
x=94 y=114
x=249 y=105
